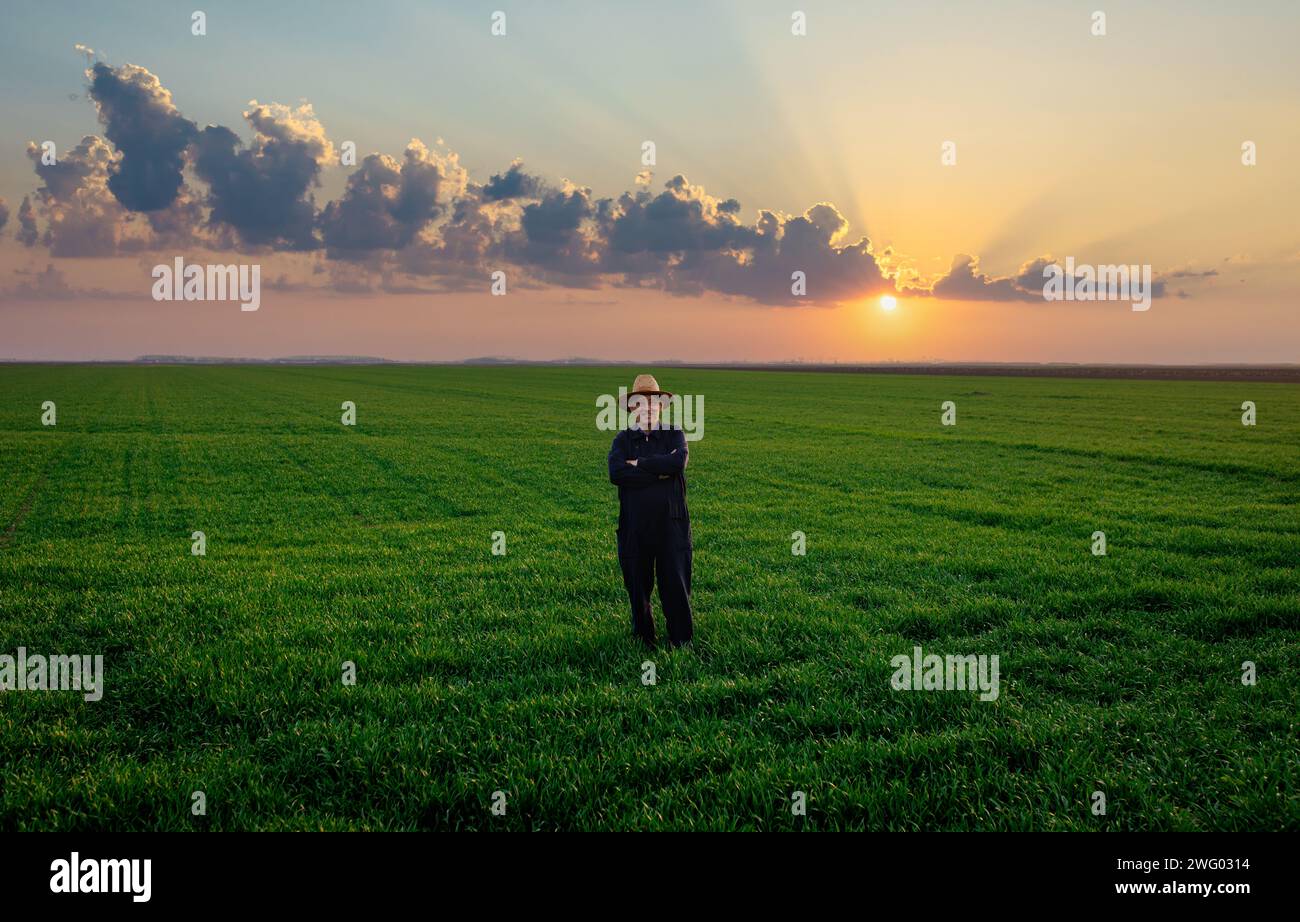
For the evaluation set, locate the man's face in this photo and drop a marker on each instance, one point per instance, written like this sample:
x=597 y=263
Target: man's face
x=646 y=410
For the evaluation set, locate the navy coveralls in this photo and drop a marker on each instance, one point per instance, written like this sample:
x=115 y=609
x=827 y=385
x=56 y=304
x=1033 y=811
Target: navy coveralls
x=654 y=527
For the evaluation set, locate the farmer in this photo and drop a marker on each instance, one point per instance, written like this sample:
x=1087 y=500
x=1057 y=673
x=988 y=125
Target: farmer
x=648 y=462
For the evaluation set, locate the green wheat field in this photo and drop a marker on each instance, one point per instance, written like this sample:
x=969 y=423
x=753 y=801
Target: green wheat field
x=478 y=673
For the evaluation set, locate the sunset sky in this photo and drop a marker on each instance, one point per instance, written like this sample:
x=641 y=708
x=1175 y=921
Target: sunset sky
x=522 y=153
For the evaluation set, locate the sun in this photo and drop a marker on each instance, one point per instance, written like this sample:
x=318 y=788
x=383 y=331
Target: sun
x=888 y=302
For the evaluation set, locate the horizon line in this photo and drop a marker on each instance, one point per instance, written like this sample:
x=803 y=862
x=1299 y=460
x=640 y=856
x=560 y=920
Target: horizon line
x=1274 y=372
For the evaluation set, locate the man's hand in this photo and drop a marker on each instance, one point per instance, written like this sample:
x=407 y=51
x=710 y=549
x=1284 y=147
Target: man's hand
x=632 y=461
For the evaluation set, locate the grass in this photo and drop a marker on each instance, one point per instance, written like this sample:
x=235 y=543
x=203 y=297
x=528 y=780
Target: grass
x=478 y=673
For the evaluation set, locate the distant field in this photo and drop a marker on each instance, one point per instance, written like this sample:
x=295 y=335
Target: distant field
x=478 y=673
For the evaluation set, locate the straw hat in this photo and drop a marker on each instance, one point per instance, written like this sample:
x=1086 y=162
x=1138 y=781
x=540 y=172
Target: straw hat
x=646 y=385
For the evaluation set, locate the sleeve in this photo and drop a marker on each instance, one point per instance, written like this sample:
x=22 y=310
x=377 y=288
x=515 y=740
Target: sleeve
x=673 y=462
x=623 y=474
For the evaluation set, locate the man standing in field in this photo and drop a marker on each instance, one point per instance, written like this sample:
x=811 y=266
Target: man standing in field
x=647 y=462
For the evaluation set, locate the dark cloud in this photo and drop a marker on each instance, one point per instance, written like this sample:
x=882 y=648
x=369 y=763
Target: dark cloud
x=259 y=195
x=555 y=241
x=966 y=282
x=83 y=217
x=513 y=183
x=552 y=224
x=681 y=240
x=263 y=191
x=678 y=220
x=687 y=242
x=4 y=213
x=150 y=135
x=386 y=204
x=815 y=244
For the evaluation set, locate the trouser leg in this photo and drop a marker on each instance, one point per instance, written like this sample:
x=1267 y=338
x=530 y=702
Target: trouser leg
x=675 y=592
x=639 y=578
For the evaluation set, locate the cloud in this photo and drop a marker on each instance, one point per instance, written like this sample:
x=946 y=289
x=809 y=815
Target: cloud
x=150 y=135
x=386 y=204
x=180 y=224
x=965 y=281
x=814 y=243
x=513 y=183
x=421 y=216
x=685 y=241
x=27 y=232
x=4 y=213
x=82 y=217
x=554 y=239
x=165 y=182
x=263 y=191
x=291 y=126
x=460 y=252
x=680 y=220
